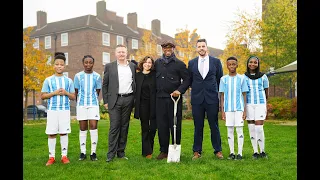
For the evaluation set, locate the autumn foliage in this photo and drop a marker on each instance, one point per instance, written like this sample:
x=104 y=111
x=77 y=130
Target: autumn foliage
x=36 y=66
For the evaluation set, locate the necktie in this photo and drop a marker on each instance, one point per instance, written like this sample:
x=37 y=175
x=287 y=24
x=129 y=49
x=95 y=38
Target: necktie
x=201 y=66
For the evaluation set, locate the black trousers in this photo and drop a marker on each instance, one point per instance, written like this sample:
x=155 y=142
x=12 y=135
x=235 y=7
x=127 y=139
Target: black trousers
x=148 y=127
x=119 y=126
x=164 y=117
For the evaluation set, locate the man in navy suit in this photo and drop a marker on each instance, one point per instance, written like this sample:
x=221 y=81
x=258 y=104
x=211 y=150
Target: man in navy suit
x=205 y=73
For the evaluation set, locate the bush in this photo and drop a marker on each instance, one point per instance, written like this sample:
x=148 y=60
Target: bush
x=282 y=108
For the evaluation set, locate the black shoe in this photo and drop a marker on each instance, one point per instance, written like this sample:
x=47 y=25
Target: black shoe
x=232 y=156
x=93 y=157
x=263 y=155
x=109 y=159
x=123 y=157
x=82 y=157
x=255 y=156
x=239 y=157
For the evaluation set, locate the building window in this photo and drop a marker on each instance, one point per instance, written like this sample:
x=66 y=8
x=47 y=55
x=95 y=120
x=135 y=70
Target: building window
x=148 y=47
x=49 y=58
x=119 y=40
x=134 y=44
x=36 y=43
x=106 y=39
x=105 y=58
x=47 y=42
x=64 y=39
x=66 y=74
x=67 y=58
x=159 y=49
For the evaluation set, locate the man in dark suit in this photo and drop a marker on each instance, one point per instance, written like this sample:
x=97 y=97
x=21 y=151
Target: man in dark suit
x=172 y=79
x=118 y=95
x=205 y=73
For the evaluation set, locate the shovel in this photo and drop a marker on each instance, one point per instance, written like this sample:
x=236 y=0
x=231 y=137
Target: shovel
x=174 y=150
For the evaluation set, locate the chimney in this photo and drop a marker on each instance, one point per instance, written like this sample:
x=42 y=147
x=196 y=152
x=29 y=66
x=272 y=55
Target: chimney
x=41 y=19
x=132 y=20
x=155 y=27
x=119 y=19
x=111 y=15
x=101 y=11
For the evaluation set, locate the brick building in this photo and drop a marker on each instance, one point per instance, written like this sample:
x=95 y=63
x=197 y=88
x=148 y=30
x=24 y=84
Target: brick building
x=96 y=35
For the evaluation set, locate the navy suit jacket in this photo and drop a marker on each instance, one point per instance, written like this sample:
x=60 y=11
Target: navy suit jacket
x=208 y=88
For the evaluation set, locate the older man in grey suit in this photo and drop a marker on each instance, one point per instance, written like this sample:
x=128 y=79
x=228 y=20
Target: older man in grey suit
x=118 y=95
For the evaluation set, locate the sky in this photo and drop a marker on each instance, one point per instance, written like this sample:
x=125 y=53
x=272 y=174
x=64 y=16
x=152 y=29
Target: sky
x=211 y=18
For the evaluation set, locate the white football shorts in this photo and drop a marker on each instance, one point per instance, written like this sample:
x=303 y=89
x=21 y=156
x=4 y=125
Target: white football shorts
x=88 y=113
x=58 y=122
x=256 y=112
x=234 y=118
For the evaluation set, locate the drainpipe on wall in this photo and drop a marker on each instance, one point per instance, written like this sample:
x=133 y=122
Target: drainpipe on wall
x=55 y=42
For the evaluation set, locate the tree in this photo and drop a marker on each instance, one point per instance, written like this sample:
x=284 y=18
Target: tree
x=149 y=46
x=279 y=38
x=36 y=66
x=243 y=40
x=185 y=48
x=279 y=32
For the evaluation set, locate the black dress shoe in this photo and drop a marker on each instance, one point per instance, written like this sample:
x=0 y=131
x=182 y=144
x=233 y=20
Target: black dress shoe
x=109 y=159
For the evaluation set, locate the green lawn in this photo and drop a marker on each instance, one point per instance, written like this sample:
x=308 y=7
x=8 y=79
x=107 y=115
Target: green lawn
x=281 y=147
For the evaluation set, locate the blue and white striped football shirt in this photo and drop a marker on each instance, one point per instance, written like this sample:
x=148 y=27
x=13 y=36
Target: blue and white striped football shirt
x=87 y=85
x=256 y=94
x=232 y=87
x=53 y=83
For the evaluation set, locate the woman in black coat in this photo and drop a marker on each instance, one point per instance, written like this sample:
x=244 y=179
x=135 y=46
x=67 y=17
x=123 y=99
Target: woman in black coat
x=145 y=105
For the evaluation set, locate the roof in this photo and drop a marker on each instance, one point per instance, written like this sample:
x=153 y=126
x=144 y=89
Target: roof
x=292 y=67
x=90 y=21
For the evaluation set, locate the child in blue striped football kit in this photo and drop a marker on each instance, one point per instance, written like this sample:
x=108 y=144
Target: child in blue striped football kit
x=233 y=88
x=87 y=84
x=59 y=90
x=257 y=96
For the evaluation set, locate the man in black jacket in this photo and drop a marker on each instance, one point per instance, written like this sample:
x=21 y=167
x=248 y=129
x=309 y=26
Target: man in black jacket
x=172 y=79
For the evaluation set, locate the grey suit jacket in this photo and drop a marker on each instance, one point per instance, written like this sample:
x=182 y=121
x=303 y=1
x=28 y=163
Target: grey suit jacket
x=110 y=85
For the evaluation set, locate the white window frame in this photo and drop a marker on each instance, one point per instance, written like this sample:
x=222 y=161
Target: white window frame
x=159 y=49
x=47 y=42
x=118 y=39
x=148 y=47
x=105 y=58
x=49 y=59
x=36 y=43
x=67 y=58
x=135 y=44
x=64 y=39
x=66 y=74
x=106 y=39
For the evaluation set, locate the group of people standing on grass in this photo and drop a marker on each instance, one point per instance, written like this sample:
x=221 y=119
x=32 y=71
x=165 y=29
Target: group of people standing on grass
x=148 y=86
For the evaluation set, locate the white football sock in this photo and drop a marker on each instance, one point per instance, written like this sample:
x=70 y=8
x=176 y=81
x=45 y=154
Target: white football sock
x=52 y=146
x=240 y=136
x=252 y=133
x=231 y=138
x=64 y=145
x=260 y=137
x=94 y=140
x=82 y=140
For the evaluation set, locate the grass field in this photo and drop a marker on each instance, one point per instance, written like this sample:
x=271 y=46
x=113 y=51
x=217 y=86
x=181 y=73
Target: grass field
x=281 y=147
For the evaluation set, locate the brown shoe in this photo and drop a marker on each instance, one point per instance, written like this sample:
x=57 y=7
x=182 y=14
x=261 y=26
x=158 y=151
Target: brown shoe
x=162 y=155
x=149 y=156
x=196 y=155
x=219 y=155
